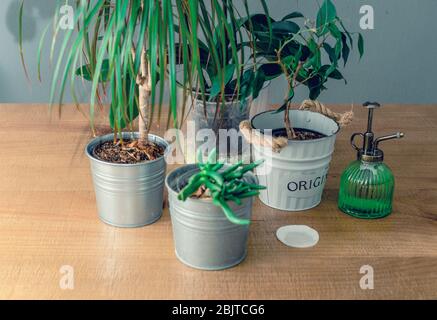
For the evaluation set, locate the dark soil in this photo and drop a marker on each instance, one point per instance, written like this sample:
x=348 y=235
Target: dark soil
x=302 y=134
x=127 y=152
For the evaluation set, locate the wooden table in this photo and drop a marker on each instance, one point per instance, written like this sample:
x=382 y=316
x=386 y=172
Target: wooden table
x=48 y=219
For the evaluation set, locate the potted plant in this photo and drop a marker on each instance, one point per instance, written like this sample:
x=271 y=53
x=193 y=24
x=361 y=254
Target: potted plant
x=210 y=207
x=126 y=49
x=308 y=54
x=222 y=95
x=213 y=109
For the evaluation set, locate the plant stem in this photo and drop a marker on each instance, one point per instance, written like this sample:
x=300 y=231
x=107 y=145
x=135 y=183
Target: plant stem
x=144 y=88
x=290 y=131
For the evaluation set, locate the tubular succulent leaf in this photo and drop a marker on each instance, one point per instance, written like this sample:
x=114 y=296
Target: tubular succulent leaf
x=224 y=185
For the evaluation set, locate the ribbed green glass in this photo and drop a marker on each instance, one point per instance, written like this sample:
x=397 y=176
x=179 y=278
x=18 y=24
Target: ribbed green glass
x=366 y=190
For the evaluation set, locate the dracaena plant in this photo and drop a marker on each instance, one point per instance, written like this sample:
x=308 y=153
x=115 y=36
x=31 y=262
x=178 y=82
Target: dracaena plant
x=214 y=67
x=227 y=68
x=308 y=53
x=126 y=48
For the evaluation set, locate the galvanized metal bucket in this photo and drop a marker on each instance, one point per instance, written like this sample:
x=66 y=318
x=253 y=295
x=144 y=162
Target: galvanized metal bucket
x=296 y=176
x=222 y=120
x=218 y=116
x=128 y=195
x=204 y=238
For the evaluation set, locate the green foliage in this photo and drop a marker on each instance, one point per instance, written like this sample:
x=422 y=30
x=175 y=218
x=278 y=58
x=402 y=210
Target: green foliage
x=106 y=49
x=224 y=184
x=307 y=53
x=227 y=72
x=326 y=15
x=109 y=31
x=85 y=71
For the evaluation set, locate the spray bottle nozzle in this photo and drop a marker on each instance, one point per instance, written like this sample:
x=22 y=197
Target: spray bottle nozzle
x=397 y=135
x=369 y=150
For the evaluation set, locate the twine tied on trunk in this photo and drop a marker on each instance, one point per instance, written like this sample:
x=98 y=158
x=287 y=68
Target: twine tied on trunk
x=277 y=143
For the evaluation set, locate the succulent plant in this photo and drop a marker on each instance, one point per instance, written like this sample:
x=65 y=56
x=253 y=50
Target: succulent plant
x=223 y=183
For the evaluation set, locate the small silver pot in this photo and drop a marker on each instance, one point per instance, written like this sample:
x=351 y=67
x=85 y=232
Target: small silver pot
x=128 y=195
x=204 y=238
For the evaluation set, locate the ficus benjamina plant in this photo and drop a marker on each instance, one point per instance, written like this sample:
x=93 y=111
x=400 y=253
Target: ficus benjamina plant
x=224 y=184
x=307 y=52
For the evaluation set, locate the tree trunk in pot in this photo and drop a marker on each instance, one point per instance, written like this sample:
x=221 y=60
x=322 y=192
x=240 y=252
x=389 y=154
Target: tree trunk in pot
x=144 y=117
x=144 y=87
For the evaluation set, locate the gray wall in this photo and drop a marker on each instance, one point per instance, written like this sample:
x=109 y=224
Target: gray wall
x=399 y=66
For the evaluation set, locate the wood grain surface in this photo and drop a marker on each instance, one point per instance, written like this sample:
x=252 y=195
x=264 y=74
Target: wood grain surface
x=48 y=219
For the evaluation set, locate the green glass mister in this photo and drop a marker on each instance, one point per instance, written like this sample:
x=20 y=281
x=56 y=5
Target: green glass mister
x=367 y=184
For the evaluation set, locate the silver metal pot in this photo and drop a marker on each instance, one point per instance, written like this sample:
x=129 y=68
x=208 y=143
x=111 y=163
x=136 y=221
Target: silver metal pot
x=204 y=238
x=128 y=195
x=227 y=117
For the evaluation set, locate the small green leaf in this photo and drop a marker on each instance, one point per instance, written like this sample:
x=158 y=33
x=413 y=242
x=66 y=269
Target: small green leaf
x=313 y=61
x=259 y=26
x=121 y=123
x=351 y=41
x=360 y=45
x=293 y=15
x=258 y=83
x=271 y=71
x=329 y=71
x=338 y=50
x=246 y=83
x=312 y=45
x=288 y=60
x=259 y=21
x=327 y=14
x=216 y=83
x=330 y=51
x=315 y=86
x=345 y=51
x=86 y=72
x=334 y=31
x=118 y=118
x=282 y=29
x=337 y=75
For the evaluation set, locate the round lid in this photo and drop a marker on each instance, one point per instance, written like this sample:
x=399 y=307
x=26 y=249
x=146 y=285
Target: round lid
x=297 y=236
